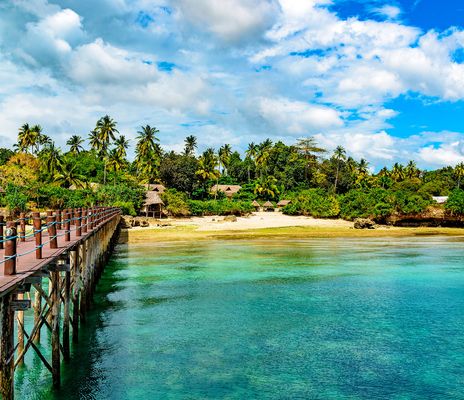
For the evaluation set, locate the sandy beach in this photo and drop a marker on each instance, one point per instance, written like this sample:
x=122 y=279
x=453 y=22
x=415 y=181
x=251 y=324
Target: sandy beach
x=268 y=224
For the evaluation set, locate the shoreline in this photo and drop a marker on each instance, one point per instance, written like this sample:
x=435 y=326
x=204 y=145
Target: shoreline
x=269 y=225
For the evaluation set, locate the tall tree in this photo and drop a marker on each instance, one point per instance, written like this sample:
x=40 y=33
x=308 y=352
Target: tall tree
x=106 y=131
x=122 y=144
x=339 y=155
x=147 y=153
x=27 y=138
x=459 y=173
x=251 y=153
x=190 y=145
x=75 y=144
x=224 y=157
x=310 y=150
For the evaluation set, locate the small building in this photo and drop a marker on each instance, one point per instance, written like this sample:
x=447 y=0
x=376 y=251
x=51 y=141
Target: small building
x=440 y=199
x=153 y=205
x=283 y=203
x=256 y=205
x=268 y=206
x=228 y=190
x=154 y=187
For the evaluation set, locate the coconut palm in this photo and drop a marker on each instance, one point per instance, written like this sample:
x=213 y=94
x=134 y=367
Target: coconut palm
x=116 y=162
x=27 y=137
x=51 y=160
x=67 y=177
x=411 y=170
x=398 y=173
x=190 y=145
x=122 y=144
x=106 y=128
x=147 y=152
x=309 y=149
x=94 y=141
x=459 y=172
x=339 y=155
x=208 y=167
x=75 y=144
x=262 y=156
x=267 y=188
x=224 y=154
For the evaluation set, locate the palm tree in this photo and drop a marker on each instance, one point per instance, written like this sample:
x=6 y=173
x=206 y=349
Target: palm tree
x=147 y=152
x=106 y=130
x=67 y=177
x=309 y=149
x=115 y=162
x=50 y=156
x=251 y=153
x=267 y=188
x=27 y=137
x=459 y=172
x=190 y=145
x=397 y=173
x=122 y=144
x=224 y=157
x=411 y=170
x=75 y=143
x=262 y=155
x=339 y=155
x=208 y=167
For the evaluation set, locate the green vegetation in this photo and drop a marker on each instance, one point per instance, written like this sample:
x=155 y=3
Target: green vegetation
x=37 y=174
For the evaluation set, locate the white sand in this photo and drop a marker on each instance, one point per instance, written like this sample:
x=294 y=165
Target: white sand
x=256 y=221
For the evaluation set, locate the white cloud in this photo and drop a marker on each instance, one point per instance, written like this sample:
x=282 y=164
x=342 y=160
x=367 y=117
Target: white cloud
x=297 y=117
x=444 y=154
x=389 y=11
x=230 y=20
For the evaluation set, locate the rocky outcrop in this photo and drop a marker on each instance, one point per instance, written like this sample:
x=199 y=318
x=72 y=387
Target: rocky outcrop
x=230 y=218
x=128 y=222
x=364 y=223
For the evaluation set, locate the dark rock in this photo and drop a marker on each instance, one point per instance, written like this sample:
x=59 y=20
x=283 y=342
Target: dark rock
x=364 y=223
x=230 y=218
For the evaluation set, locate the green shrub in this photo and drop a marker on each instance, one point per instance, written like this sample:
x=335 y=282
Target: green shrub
x=455 y=202
x=314 y=202
x=15 y=199
x=176 y=203
x=220 y=207
x=127 y=207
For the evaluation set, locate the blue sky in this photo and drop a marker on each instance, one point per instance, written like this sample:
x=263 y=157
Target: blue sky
x=385 y=79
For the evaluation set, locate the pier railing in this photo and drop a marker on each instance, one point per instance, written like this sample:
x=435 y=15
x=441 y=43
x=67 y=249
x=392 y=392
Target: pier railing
x=51 y=262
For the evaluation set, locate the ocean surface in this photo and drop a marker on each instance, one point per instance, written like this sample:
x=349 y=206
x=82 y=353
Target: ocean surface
x=270 y=319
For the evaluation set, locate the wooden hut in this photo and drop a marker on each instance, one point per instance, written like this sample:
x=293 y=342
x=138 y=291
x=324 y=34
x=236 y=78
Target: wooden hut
x=153 y=205
x=268 y=206
x=256 y=205
x=228 y=190
x=154 y=187
x=283 y=203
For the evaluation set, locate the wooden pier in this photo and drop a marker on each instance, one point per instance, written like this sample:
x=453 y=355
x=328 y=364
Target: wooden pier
x=65 y=251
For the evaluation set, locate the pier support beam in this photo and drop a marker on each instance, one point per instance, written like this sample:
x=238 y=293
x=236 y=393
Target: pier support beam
x=55 y=299
x=6 y=349
x=74 y=265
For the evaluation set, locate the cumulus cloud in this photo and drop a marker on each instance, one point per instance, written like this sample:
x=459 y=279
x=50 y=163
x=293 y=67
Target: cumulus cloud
x=389 y=11
x=230 y=20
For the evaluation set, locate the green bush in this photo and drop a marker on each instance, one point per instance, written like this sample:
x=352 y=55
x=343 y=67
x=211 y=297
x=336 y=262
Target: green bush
x=455 y=202
x=175 y=203
x=127 y=207
x=314 y=202
x=221 y=207
x=15 y=199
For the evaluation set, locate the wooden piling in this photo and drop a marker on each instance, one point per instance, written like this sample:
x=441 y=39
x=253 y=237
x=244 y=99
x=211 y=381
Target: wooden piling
x=2 y=226
x=55 y=299
x=37 y=224
x=67 y=295
x=67 y=226
x=37 y=308
x=6 y=348
x=51 y=227
x=20 y=328
x=9 y=266
x=22 y=227
x=75 y=276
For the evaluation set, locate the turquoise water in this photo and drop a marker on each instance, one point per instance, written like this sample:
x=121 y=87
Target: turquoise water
x=271 y=319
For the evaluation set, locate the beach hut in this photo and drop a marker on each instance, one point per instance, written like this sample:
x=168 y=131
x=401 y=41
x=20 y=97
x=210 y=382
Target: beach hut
x=228 y=190
x=154 y=187
x=153 y=205
x=440 y=199
x=268 y=206
x=256 y=205
x=283 y=203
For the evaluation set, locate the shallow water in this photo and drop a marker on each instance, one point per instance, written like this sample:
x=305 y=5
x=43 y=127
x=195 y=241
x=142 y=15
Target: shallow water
x=271 y=319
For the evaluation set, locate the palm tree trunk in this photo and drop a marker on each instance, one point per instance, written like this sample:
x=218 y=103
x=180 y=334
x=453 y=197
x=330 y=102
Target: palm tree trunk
x=336 y=177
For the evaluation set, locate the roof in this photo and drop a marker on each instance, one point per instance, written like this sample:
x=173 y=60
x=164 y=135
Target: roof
x=440 y=199
x=152 y=198
x=91 y=185
x=268 y=204
x=155 y=187
x=229 y=190
x=283 y=203
x=255 y=204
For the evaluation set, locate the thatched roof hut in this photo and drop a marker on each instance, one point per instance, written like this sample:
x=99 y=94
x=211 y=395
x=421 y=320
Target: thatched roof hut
x=229 y=190
x=155 y=187
x=153 y=204
x=283 y=203
x=268 y=206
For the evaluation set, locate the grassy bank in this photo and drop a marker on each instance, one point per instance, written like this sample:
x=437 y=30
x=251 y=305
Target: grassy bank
x=149 y=235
